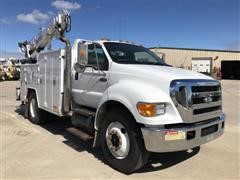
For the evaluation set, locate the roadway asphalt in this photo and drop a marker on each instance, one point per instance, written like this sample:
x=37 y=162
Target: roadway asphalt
x=49 y=151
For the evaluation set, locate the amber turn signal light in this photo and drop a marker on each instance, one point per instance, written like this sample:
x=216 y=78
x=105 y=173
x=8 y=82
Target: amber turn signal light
x=147 y=109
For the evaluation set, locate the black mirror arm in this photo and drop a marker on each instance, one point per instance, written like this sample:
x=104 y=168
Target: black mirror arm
x=96 y=68
x=92 y=66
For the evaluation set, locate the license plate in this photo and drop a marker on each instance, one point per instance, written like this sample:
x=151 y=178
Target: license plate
x=174 y=135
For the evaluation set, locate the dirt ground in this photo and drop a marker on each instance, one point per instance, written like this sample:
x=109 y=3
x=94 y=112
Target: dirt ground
x=49 y=151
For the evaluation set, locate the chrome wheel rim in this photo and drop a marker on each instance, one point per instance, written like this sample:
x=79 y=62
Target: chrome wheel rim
x=117 y=140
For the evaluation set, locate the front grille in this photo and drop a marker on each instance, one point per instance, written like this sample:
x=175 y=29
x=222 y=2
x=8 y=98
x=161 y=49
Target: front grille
x=206 y=110
x=200 y=94
x=197 y=100
x=205 y=88
x=201 y=99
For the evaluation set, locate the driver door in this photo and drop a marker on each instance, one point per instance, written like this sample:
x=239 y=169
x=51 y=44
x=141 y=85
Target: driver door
x=89 y=86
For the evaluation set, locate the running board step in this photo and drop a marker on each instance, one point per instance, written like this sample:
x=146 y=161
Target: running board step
x=84 y=111
x=80 y=134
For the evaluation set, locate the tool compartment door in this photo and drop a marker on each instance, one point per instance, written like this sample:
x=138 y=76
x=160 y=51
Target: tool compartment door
x=51 y=79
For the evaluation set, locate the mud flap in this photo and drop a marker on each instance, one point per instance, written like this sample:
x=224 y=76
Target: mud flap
x=26 y=111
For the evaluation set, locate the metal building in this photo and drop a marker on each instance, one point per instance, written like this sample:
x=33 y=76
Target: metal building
x=223 y=64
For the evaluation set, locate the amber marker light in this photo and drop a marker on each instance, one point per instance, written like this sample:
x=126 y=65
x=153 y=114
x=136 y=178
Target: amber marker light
x=150 y=109
x=146 y=109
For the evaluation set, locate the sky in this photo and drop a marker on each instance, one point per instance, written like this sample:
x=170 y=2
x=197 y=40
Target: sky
x=207 y=24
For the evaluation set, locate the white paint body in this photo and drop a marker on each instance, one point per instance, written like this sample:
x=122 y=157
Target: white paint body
x=145 y=83
x=46 y=78
x=126 y=84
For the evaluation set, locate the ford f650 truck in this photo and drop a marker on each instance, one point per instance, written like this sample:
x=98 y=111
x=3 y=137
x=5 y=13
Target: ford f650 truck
x=121 y=94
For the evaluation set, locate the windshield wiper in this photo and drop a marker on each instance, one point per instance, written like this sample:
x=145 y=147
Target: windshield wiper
x=153 y=63
x=126 y=61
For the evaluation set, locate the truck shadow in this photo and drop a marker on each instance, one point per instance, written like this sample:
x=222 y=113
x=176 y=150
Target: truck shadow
x=59 y=126
x=160 y=161
x=157 y=161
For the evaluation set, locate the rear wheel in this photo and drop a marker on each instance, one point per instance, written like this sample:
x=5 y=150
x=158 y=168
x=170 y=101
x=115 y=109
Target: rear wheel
x=122 y=143
x=35 y=115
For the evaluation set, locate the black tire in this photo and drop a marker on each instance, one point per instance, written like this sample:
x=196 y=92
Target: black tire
x=137 y=155
x=40 y=116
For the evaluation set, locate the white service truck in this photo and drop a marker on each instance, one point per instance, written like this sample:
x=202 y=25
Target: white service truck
x=121 y=94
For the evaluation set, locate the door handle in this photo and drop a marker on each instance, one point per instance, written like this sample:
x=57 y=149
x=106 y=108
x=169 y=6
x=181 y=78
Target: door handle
x=76 y=76
x=103 y=79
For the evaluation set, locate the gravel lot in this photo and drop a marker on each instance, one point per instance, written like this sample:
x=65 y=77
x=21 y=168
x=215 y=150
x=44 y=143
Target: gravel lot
x=51 y=152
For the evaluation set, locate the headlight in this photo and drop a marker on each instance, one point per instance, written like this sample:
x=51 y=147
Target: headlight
x=151 y=109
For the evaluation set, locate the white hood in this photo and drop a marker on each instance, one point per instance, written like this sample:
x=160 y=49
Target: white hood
x=147 y=83
x=165 y=73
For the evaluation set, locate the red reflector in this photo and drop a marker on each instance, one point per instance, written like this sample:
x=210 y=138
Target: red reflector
x=171 y=132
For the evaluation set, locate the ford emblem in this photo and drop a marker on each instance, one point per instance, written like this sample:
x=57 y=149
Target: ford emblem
x=207 y=99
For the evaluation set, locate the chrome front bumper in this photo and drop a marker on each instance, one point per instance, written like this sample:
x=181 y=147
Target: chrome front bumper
x=182 y=138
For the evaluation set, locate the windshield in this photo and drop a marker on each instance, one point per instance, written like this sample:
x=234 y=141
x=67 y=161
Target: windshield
x=132 y=54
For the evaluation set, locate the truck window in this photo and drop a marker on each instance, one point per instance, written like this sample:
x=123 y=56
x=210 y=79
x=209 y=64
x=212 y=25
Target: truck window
x=143 y=56
x=102 y=59
x=132 y=54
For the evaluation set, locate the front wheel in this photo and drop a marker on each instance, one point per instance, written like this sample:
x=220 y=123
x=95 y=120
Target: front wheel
x=122 y=143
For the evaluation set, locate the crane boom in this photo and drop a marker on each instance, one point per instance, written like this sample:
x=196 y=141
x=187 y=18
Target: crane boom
x=57 y=28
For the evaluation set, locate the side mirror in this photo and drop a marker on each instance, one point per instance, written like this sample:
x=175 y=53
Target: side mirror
x=82 y=53
x=79 y=68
